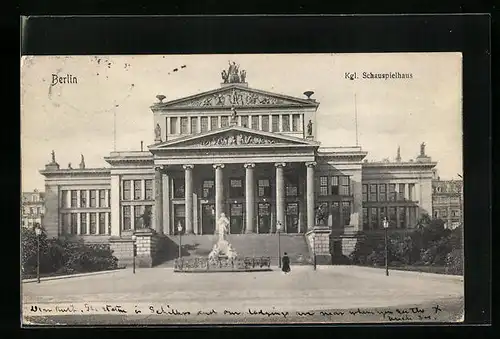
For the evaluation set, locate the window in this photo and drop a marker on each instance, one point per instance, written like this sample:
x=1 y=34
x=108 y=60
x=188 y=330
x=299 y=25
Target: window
x=126 y=189
x=224 y=121
x=83 y=198
x=295 y=122
x=93 y=198
x=173 y=125
x=391 y=216
x=401 y=193
x=291 y=186
x=32 y=210
x=236 y=188
x=194 y=125
x=102 y=198
x=346 y=212
x=244 y=121
x=286 y=123
x=93 y=224
x=345 y=185
x=208 y=189
x=323 y=186
x=83 y=223
x=179 y=188
x=127 y=225
x=64 y=199
x=382 y=192
x=102 y=223
x=382 y=215
x=137 y=189
x=255 y=122
x=275 y=123
x=184 y=125
x=365 y=193
x=335 y=185
x=64 y=223
x=73 y=199
x=137 y=216
x=455 y=213
x=149 y=189
x=365 y=218
x=402 y=217
x=264 y=188
x=204 y=124
x=74 y=223
x=374 y=218
x=214 y=123
x=373 y=192
x=392 y=192
x=322 y=214
x=444 y=213
x=265 y=123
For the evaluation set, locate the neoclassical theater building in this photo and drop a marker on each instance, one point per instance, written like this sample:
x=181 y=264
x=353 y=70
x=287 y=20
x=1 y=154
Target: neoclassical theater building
x=250 y=154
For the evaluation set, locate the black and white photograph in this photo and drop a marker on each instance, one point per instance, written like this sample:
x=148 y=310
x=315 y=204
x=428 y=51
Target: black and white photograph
x=242 y=189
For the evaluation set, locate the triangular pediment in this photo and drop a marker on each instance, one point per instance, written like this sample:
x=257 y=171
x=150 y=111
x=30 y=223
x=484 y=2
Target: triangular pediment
x=235 y=96
x=234 y=136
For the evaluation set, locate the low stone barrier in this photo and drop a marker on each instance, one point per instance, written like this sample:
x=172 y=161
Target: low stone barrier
x=246 y=264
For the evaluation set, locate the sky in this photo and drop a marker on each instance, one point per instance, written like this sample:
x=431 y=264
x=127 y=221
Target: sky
x=78 y=118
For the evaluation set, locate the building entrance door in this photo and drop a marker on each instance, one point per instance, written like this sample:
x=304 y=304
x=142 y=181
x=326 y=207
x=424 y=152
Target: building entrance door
x=292 y=217
x=264 y=217
x=207 y=219
x=236 y=218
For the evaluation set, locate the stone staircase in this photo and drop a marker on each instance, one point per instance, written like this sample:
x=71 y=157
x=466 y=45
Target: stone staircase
x=246 y=245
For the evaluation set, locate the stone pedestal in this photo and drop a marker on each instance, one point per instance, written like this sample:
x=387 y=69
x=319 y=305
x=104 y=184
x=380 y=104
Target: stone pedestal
x=318 y=240
x=123 y=249
x=146 y=243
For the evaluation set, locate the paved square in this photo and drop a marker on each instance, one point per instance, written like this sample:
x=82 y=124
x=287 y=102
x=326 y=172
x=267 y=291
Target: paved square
x=329 y=287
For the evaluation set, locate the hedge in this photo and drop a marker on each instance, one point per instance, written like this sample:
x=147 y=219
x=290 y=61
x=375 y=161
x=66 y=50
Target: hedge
x=63 y=256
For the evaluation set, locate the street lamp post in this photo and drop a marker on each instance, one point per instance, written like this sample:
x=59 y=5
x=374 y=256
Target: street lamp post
x=38 y=232
x=279 y=227
x=134 y=239
x=386 y=226
x=314 y=253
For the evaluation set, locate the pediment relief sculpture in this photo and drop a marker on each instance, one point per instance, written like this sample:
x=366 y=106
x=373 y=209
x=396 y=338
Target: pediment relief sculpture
x=237 y=139
x=235 y=97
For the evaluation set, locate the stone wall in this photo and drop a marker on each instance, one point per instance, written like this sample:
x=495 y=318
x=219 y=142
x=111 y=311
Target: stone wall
x=318 y=240
x=51 y=217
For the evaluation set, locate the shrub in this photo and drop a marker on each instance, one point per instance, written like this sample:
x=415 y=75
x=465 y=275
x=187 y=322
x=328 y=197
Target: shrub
x=63 y=256
x=454 y=262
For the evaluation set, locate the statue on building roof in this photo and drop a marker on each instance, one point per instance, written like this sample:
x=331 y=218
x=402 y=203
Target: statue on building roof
x=157 y=132
x=69 y=166
x=232 y=75
x=243 y=75
x=310 y=128
x=225 y=76
x=82 y=162
x=53 y=157
x=398 y=156
x=422 y=149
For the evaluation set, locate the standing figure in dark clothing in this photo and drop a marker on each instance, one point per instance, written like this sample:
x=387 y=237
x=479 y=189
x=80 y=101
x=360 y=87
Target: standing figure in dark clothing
x=285 y=263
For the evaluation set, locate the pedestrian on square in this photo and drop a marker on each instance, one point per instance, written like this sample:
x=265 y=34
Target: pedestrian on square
x=285 y=264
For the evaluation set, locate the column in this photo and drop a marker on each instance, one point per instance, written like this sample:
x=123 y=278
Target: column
x=115 y=205
x=166 y=203
x=301 y=122
x=106 y=222
x=87 y=192
x=78 y=224
x=88 y=221
x=188 y=187
x=280 y=194
x=407 y=216
x=78 y=199
x=219 y=190
x=250 y=198
x=270 y=125
x=167 y=127
x=132 y=217
x=310 y=195
x=260 y=122
x=280 y=123
x=143 y=189
x=397 y=216
x=68 y=199
x=158 y=214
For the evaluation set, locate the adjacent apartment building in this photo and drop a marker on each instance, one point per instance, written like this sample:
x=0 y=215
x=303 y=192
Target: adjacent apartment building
x=32 y=208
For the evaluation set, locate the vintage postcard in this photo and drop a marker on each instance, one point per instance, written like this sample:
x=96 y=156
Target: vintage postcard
x=241 y=189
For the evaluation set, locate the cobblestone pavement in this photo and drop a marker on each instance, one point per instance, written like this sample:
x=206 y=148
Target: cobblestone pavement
x=329 y=287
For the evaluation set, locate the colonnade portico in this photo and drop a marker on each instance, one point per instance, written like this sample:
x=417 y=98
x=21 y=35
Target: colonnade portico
x=220 y=201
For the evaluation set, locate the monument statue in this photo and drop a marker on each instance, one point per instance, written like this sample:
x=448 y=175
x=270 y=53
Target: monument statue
x=243 y=75
x=53 y=157
x=225 y=76
x=232 y=75
x=222 y=226
x=422 y=149
x=82 y=162
x=157 y=132
x=310 y=128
